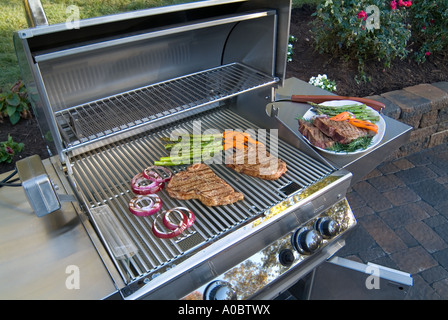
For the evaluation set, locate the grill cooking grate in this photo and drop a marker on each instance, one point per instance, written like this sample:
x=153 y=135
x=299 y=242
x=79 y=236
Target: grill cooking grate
x=95 y=120
x=103 y=177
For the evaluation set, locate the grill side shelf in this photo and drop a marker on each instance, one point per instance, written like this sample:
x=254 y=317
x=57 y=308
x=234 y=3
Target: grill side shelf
x=96 y=120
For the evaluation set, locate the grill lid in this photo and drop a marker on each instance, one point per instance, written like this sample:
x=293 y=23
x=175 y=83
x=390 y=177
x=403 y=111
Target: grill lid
x=162 y=60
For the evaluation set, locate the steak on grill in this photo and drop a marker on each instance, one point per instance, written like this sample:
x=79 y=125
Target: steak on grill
x=255 y=161
x=198 y=181
x=340 y=131
x=314 y=135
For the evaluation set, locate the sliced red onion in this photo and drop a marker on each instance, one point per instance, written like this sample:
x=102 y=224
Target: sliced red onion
x=157 y=174
x=182 y=212
x=142 y=185
x=171 y=233
x=137 y=205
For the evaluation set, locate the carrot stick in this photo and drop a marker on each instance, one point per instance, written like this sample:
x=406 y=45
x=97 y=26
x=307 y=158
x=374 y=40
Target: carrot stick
x=341 y=116
x=364 y=124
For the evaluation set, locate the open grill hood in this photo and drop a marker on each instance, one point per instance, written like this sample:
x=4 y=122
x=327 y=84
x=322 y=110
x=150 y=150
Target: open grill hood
x=161 y=60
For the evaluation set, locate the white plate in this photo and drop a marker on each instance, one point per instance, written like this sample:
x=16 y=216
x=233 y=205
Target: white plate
x=335 y=103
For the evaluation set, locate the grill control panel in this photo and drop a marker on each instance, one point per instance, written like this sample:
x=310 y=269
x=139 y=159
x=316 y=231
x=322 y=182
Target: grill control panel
x=293 y=253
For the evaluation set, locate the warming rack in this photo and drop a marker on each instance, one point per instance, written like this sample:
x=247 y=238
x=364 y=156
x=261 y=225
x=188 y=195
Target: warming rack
x=86 y=123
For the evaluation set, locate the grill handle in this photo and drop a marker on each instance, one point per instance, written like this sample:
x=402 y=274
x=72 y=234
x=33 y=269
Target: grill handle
x=35 y=14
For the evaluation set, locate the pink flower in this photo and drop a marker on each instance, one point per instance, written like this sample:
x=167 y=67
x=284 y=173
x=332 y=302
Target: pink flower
x=402 y=3
x=423 y=28
x=428 y=53
x=362 y=15
x=9 y=150
x=393 y=5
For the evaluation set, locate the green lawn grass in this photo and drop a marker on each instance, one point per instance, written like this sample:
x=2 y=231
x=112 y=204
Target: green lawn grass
x=13 y=19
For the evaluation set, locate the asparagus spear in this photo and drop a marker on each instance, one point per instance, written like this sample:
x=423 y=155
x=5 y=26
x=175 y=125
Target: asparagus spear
x=169 y=146
x=210 y=147
x=202 y=137
x=192 y=153
x=359 y=111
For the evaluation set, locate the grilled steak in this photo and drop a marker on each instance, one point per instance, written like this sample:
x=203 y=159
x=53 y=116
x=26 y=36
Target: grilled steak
x=249 y=162
x=314 y=135
x=340 y=131
x=198 y=181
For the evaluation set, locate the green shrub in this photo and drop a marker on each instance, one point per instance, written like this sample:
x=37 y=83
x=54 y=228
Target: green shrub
x=429 y=20
x=8 y=149
x=14 y=103
x=340 y=29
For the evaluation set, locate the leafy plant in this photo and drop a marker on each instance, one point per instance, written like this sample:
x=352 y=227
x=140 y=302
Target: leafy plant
x=9 y=148
x=340 y=29
x=429 y=20
x=14 y=104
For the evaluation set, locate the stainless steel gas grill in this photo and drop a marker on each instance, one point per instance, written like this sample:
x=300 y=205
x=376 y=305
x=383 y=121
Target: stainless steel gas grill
x=107 y=93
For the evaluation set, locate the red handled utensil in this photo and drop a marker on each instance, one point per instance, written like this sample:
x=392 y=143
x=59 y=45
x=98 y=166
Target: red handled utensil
x=378 y=106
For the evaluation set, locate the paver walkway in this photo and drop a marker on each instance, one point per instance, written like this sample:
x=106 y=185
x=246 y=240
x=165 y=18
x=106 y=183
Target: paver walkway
x=402 y=213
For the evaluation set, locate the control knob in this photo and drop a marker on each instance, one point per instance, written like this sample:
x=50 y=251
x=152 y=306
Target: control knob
x=286 y=257
x=327 y=227
x=306 y=240
x=219 y=290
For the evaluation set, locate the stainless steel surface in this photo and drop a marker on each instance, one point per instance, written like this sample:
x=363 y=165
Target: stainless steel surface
x=47 y=258
x=131 y=16
x=343 y=279
x=35 y=14
x=201 y=24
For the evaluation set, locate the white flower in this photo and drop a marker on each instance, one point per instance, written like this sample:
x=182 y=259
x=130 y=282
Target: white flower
x=323 y=82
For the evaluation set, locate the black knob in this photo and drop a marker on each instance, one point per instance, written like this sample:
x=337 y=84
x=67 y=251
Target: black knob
x=327 y=227
x=286 y=257
x=219 y=290
x=306 y=240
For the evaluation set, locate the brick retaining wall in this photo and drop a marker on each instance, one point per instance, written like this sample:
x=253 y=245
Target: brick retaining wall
x=425 y=108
